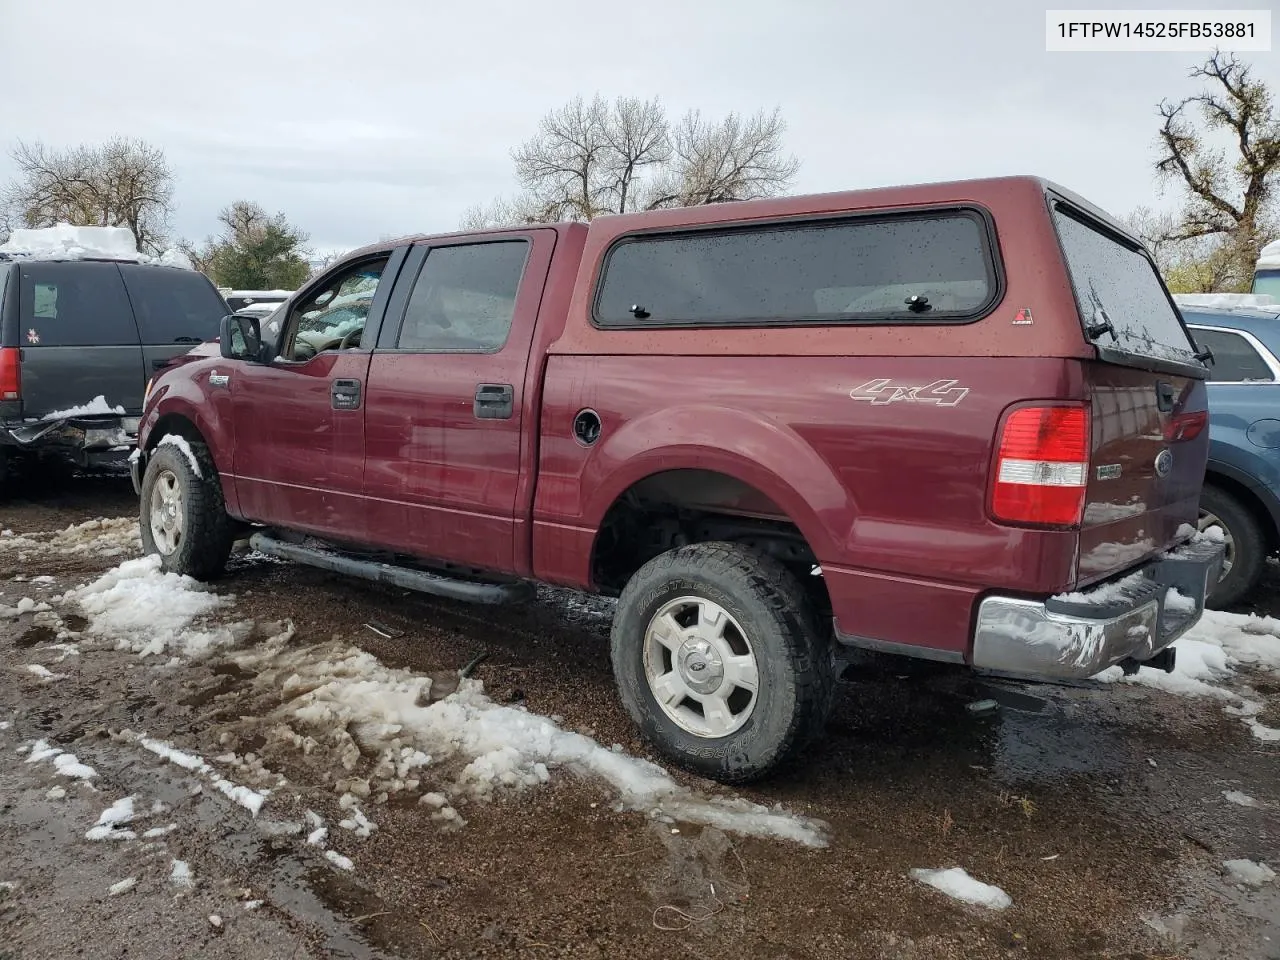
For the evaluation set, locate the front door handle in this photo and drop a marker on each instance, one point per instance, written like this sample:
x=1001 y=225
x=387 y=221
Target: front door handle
x=494 y=401
x=345 y=394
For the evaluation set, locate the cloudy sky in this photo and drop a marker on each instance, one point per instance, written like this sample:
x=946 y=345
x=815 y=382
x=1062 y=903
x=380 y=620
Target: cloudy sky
x=361 y=120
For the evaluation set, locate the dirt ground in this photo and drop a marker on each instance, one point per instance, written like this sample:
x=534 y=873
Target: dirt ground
x=1100 y=811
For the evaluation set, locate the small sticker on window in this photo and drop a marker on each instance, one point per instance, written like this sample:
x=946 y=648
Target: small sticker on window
x=33 y=336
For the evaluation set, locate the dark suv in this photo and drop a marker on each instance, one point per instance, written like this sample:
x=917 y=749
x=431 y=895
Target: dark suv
x=79 y=340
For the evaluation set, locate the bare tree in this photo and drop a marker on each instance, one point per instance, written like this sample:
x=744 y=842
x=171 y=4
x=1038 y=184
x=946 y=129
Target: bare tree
x=592 y=158
x=124 y=182
x=1229 y=197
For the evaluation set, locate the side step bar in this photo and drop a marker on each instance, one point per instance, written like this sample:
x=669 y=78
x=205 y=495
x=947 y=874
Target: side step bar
x=417 y=580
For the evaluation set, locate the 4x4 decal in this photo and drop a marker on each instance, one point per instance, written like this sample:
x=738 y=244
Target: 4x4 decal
x=944 y=393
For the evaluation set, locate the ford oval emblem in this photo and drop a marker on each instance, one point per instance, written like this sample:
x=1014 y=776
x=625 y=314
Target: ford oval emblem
x=1164 y=463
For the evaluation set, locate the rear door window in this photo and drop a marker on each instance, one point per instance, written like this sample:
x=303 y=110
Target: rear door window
x=1234 y=358
x=74 y=305
x=172 y=305
x=908 y=269
x=1118 y=289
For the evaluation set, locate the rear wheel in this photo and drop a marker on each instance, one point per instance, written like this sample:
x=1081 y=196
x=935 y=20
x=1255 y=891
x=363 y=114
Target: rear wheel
x=1246 y=548
x=183 y=518
x=719 y=661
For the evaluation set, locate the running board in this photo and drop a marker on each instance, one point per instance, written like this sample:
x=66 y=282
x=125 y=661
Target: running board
x=419 y=581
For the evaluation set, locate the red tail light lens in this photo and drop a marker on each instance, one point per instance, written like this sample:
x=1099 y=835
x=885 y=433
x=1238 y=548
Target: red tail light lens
x=1042 y=467
x=10 y=374
x=1186 y=426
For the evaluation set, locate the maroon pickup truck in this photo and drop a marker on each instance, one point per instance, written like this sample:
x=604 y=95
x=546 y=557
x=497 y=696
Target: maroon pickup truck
x=959 y=421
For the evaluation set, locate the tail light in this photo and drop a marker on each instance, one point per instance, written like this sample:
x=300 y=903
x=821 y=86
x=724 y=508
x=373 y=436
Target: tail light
x=1186 y=426
x=1042 y=466
x=10 y=373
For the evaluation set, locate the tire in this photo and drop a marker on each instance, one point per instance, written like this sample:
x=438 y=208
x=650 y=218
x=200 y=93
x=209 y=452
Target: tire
x=744 y=735
x=1246 y=545
x=204 y=532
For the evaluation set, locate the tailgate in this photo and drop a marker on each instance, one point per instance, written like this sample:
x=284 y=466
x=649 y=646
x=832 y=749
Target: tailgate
x=79 y=341
x=1150 y=444
x=1148 y=402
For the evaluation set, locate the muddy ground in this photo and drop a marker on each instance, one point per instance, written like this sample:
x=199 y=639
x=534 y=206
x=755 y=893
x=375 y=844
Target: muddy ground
x=1101 y=812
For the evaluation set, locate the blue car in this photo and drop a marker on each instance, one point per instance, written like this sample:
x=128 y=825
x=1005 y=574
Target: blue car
x=1242 y=481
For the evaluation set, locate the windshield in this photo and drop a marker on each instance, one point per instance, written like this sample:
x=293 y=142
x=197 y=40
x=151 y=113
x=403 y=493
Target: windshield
x=1267 y=282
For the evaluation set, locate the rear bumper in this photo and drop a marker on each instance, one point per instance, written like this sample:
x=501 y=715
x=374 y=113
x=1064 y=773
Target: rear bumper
x=1076 y=636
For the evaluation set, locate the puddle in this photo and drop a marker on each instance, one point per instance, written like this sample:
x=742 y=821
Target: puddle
x=33 y=636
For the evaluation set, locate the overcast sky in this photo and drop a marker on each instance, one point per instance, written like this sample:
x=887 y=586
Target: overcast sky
x=365 y=119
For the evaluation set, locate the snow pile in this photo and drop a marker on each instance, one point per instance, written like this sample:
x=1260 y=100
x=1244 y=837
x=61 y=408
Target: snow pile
x=67 y=242
x=148 y=611
x=1248 y=873
x=958 y=885
x=1210 y=655
x=66 y=764
x=124 y=886
x=96 y=407
x=250 y=799
x=110 y=823
x=347 y=700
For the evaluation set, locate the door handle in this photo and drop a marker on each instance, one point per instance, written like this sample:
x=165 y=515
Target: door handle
x=494 y=401
x=345 y=394
x=1164 y=396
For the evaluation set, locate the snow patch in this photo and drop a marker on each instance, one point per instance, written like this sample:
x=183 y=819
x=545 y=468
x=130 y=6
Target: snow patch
x=1225 y=299
x=1242 y=799
x=348 y=700
x=96 y=407
x=155 y=832
x=246 y=797
x=1107 y=593
x=109 y=823
x=24 y=606
x=338 y=860
x=957 y=884
x=1248 y=872
x=64 y=763
x=180 y=874
x=44 y=673
x=180 y=442
x=124 y=886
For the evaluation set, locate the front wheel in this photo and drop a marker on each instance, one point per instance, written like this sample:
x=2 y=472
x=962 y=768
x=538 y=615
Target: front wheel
x=719 y=661
x=183 y=518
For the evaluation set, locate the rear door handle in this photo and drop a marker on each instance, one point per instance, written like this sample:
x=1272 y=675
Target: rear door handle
x=494 y=401
x=345 y=394
x=1164 y=395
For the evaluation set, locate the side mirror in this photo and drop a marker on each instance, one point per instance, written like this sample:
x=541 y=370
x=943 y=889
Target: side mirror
x=240 y=338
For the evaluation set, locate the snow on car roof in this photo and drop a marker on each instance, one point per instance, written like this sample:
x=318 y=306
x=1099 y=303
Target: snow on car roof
x=1225 y=300
x=67 y=242
x=1269 y=259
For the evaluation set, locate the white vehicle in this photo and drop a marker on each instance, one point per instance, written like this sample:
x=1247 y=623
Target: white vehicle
x=1266 y=275
x=237 y=300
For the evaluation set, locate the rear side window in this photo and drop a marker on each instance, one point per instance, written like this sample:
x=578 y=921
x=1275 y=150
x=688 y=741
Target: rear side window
x=464 y=298
x=917 y=269
x=74 y=305
x=1234 y=358
x=172 y=305
x=1117 y=288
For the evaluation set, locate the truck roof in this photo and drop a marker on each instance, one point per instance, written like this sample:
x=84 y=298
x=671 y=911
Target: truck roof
x=780 y=207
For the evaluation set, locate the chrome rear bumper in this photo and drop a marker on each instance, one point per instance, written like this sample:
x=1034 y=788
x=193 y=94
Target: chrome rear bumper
x=1075 y=636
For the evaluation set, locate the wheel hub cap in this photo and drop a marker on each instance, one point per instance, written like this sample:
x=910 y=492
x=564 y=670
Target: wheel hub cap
x=700 y=666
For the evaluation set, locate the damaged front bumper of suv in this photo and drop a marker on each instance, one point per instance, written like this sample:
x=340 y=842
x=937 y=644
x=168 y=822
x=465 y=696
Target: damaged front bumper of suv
x=1130 y=622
